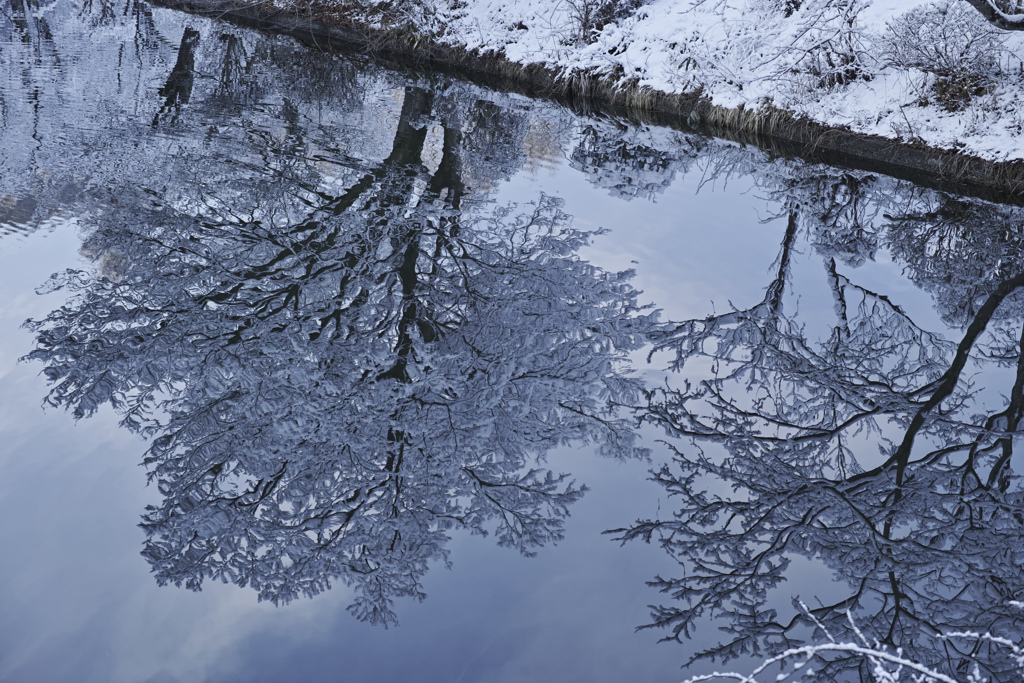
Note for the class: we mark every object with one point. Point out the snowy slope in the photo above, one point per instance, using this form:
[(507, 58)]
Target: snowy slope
[(823, 59)]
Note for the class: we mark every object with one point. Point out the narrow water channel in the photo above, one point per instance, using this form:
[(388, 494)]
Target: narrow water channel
[(407, 379)]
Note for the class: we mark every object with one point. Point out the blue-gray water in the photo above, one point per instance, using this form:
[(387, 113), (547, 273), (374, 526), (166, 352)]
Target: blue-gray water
[(334, 335)]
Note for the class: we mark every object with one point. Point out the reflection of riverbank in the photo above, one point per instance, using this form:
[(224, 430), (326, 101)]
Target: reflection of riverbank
[(849, 122)]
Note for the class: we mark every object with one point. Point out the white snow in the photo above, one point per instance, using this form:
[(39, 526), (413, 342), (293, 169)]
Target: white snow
[(745, 52)]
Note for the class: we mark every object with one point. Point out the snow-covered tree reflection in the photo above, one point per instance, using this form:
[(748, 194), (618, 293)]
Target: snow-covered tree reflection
[(877, 450), (957, 249), (330, 394), (612, 158)]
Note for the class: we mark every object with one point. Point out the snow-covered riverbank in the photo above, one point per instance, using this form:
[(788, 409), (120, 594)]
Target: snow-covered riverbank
[(921, 72)]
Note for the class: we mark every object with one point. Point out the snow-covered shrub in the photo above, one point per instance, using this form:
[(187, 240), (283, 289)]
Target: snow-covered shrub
[(1009, 6), (809, 45), (828, 45), (590, 16), (951, 41), (413, 22)]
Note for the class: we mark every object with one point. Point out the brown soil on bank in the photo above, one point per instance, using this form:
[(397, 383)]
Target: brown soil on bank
[(776, 131)]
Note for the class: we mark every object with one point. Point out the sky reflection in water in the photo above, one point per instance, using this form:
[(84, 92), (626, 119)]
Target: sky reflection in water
[(359, 319)]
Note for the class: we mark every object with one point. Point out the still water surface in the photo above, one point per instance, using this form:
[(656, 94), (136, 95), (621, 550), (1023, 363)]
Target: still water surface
[(395, 351)]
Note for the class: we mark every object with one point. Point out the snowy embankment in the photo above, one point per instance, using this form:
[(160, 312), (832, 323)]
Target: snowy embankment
[(932, 72)]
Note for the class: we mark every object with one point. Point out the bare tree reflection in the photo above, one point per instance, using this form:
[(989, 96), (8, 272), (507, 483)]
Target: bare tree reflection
[(329, 395), (873, 451), (177, 90)]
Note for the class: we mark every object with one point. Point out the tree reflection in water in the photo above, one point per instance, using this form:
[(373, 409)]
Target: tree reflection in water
[(339, 363), (875, 450), (329, 395)]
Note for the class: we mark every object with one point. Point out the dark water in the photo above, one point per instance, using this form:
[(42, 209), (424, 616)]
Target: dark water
[(413, 368)]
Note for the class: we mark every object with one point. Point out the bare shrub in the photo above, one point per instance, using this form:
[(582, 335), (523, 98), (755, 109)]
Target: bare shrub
[(950, 40)]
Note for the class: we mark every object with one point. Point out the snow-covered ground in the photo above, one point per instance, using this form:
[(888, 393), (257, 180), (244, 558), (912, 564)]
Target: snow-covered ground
[(957, 84)]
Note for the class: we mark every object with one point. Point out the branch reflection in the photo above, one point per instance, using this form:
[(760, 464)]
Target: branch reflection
[(333, 382), (876, 451)]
